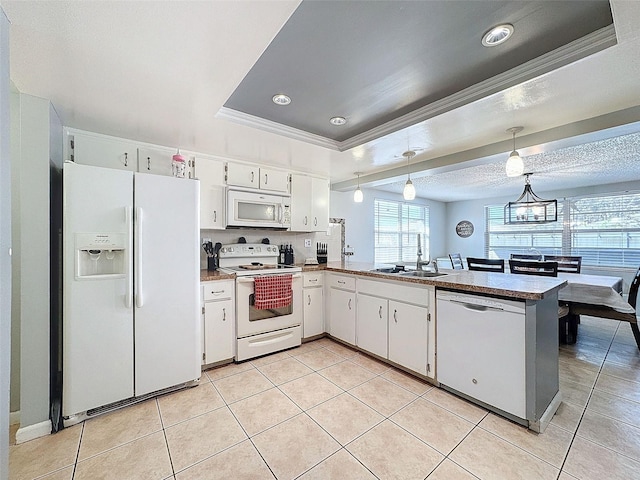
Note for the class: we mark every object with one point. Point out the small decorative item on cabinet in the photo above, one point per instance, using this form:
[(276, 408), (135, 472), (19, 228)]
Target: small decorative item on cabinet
[(178, 165)]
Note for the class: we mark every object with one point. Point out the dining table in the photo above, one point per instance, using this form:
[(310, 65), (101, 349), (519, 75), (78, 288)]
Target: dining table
[(597, 296)]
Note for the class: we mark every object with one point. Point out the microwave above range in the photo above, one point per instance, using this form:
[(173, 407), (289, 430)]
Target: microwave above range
[(254, 209)]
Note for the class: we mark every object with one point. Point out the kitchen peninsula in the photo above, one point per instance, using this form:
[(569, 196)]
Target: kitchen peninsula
[(489, 337)]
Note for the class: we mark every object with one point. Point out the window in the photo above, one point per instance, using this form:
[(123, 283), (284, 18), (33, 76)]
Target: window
[(396, 229), (604, 230)]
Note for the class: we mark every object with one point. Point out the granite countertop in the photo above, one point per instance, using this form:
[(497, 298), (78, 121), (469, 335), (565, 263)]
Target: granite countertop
[(525, 287), (207, 276)]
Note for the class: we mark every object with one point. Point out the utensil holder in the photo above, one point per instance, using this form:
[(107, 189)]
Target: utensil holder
[(212, 264)]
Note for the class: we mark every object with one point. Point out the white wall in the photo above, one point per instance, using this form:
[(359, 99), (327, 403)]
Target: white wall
[(359, 221), (5, 245)]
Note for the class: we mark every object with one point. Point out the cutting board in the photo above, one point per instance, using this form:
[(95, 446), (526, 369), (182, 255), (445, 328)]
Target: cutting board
[(255, 267)]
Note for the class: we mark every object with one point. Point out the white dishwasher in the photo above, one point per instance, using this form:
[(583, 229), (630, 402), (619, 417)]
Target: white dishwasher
[(481, 349)]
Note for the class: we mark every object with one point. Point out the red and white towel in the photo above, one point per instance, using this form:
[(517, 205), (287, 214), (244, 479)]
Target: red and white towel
[(272, 291)]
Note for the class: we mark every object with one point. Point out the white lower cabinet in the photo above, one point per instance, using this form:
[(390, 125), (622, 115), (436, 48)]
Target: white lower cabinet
[(313, 297), (408, 336), (342, 307), (371, 324), (390, 319), (219, 321)]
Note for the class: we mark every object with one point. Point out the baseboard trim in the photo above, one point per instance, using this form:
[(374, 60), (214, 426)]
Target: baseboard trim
[(31, 432), (14, 417)]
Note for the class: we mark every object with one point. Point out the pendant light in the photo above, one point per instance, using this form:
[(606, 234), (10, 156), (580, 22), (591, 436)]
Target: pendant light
[(358, 196), (409, 192), (530, 208), (515, 165)]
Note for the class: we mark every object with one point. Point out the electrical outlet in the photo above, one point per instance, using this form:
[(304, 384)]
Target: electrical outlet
[(205, 240), (307, 243)]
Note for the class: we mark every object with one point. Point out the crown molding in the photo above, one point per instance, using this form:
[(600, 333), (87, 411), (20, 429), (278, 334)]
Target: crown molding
[(277, 128)]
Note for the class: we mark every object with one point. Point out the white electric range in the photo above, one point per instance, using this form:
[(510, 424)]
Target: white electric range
[(262, 331)]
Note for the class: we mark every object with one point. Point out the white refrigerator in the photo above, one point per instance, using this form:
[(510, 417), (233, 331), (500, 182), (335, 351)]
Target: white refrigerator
[(131, 322)]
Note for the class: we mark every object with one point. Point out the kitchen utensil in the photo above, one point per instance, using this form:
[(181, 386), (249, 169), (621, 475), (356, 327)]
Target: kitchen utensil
[(242, 240), (265, 241)]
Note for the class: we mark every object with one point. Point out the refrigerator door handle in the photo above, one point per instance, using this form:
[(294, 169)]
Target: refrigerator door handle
[(138, 256), (128, 218)]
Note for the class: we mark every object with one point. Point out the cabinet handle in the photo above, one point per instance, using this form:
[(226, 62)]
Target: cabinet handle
[(224, 314), (349, 304), (215, 216), (305, 219), (395, 316), (216, 292), (313, 280), (265, 178), (125, 159), (148, 163), (252, 176), (380, 312), (341, 282), (475, 382), (315, 221), (308, 299)]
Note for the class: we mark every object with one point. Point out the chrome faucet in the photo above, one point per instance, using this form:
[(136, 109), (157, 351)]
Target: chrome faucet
[(419, 261)]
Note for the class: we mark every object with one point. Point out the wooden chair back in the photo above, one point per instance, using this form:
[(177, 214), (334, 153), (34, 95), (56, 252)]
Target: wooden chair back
[(529, 267), (518, 256), (565, 264), (485, 264), (456, 261), (633, 291)]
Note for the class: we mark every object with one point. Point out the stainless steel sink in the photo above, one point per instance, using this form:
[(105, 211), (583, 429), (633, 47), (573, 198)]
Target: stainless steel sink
[(387, 270), (422, 274)]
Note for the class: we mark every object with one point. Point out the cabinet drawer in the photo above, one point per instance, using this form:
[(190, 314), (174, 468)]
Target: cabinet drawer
[(221, 290), (312, 279), (343, 282)]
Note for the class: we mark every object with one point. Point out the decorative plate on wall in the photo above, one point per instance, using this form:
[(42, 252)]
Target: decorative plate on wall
[(464, 229)]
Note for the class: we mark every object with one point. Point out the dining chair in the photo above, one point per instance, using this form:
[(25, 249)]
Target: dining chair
[(566, 264), (632, 299), (567, 322), (532, 267), (518, 256), (485, 264), (456, 261)]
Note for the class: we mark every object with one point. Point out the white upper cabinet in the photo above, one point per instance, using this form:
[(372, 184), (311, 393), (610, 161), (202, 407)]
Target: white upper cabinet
[(250, 176), (156, 161), (309, 204), (102, 151), (274, 180), (212, 193)]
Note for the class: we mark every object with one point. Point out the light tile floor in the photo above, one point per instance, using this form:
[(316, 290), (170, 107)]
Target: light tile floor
[(324, 411)]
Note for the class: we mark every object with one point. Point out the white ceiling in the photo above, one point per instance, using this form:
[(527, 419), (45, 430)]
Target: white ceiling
[(159, 72)]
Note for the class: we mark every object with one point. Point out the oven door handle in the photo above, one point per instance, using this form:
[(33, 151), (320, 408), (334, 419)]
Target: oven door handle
[(251, 279)]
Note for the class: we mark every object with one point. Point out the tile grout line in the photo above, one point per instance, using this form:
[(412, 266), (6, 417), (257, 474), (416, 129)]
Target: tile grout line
[(75, 463), (164, 434), (586, 405)]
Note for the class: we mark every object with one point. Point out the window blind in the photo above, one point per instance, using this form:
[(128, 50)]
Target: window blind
[(604, 230), (396, 225)]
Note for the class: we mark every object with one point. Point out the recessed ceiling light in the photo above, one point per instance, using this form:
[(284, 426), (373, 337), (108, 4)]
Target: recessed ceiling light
[(338, 121), (281, 99), (497, 35)]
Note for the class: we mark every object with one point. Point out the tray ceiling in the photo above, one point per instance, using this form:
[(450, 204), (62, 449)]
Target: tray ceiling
[(373, 62)]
